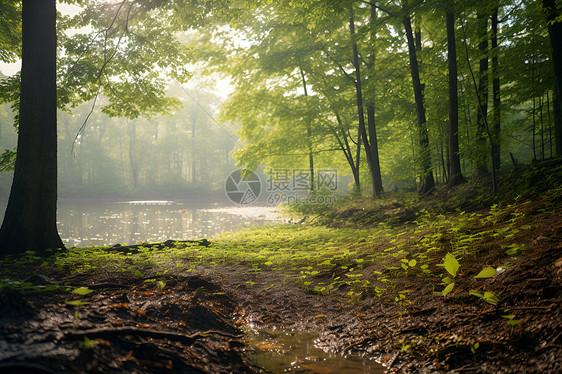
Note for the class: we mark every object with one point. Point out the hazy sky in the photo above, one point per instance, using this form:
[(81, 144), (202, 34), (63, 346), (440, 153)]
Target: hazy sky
[(10, 69)]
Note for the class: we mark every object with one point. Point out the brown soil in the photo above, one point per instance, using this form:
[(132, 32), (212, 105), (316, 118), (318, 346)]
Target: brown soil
[(192, 324)]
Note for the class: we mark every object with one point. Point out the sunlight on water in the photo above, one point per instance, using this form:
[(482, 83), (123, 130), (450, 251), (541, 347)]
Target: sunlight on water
[(295, 352), (130, 222)]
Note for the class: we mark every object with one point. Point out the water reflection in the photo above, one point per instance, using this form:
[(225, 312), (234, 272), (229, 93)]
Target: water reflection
[(295, 352), (129, 222)]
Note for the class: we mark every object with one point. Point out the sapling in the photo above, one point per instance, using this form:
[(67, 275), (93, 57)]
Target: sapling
[(82, 291)]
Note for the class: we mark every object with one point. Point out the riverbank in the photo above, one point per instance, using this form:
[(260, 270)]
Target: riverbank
[(435, 289)]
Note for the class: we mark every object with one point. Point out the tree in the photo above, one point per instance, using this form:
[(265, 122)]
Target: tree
[(427, 183), (455, 175), (554, 24), (371, 148), (30, 219)]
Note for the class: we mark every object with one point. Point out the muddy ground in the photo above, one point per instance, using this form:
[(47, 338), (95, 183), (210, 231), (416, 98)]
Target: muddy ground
[(192, 324), (177, 323)]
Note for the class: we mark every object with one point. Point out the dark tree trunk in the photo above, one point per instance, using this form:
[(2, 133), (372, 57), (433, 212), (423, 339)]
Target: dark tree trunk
[(361, 112), (482, 97), (309, 138), (373, 142), (496, 101), (358, 163), (557, 112), (455, 174), (427, 183), (555, 34), (371, 122), (30, 221)]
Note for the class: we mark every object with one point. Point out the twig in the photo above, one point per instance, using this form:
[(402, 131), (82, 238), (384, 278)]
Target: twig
[(392, 360), (105, 332)]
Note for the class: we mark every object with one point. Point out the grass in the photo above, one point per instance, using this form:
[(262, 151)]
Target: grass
[(360, 262)]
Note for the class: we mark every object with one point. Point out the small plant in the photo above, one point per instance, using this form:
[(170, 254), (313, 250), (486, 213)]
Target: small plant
[(474, 347), (82, 291), (511, 321), (88, 343), (452, 266), (486, 296)]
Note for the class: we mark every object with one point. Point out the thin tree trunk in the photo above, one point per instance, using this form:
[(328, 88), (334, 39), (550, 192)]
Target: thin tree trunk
[(358, 162), (482, 97), (360, 111), (542, 126), (30, 220), (427, 183), (496, 101), (371, 124), (549, 123), (557, 112), (132, 156), (555, 34), (193, 150), (309, 137), (455, 174)]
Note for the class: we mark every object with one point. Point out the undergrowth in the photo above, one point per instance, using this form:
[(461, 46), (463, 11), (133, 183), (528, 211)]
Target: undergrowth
[(357, 263)]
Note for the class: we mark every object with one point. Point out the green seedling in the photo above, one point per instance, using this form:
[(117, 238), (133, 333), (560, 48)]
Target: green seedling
[(452, 266), (82, 291), (88, 343), (486, 296)]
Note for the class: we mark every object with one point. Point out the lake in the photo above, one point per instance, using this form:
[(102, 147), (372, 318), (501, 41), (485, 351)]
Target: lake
[(90, 222)]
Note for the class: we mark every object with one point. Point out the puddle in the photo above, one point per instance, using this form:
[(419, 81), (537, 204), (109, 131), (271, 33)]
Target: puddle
[(295, 352)]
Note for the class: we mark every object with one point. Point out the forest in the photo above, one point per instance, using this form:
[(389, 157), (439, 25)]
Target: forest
[(397, 165)]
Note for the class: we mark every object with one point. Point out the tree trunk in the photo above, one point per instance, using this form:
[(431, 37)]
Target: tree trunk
[(482, 97), (309, 137), (427, 183), (373, 142), (557, 112), (496, 101), (360, 111), (555, 34), (132, 155), (455, 174), (193, 153), (371, 122), (30, 221)]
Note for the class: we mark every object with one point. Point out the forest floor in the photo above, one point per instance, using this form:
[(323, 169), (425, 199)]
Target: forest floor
[(449, 283)]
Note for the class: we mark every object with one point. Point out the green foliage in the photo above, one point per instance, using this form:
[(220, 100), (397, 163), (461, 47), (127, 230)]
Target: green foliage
[(487, 272), (8, 160), (451, 264)]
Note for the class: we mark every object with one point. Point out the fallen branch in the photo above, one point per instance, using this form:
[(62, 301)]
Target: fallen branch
[(109, 332)]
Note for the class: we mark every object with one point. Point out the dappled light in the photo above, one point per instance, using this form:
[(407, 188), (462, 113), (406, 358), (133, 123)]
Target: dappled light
[(311, 187)]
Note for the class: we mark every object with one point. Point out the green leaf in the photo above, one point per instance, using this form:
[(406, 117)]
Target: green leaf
[(82, 291), (490, 298), (76, 302), (476, 293), (487, 272), (138, 273), (412, 263), (448, 289), (451, 264)]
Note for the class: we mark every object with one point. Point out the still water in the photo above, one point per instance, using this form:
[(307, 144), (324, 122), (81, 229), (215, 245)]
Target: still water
[(279, 351), (83, 224)]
